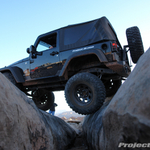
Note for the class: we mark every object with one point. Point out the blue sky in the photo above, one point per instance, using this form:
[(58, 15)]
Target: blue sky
[(21, 21)]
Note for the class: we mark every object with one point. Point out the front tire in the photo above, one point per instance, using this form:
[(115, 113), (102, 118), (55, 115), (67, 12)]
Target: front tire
[(9, 76), (85, 93)]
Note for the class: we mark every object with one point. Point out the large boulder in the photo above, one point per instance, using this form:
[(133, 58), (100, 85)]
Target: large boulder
[(24, 127), (124, 122)]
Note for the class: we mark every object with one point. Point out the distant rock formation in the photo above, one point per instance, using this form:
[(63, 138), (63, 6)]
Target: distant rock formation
[(70, 114), (24, 127), (126, 118)]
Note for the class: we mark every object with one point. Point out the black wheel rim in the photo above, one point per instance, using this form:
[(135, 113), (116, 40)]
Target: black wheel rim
[(40, 97), (83, 94)]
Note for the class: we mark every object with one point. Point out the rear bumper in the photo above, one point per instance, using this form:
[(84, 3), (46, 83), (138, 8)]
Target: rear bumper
[(120, 68)]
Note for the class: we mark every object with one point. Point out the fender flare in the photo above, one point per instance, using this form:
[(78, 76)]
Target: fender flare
[(16, 72), (99, 53)]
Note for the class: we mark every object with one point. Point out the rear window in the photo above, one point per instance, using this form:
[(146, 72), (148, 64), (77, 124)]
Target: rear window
[(74, 34)]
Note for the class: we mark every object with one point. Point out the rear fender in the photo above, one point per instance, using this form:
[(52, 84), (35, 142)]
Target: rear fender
[(100, 55)]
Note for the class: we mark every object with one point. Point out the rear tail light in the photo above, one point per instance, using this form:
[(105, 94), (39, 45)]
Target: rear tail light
[(114, 47)]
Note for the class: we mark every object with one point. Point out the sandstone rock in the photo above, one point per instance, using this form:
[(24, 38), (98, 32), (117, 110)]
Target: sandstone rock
[(80, 142), (127, 117), (93, 128), (24, 127)]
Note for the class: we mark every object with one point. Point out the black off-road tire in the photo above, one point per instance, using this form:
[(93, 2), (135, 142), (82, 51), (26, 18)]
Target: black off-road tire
[(10, 77), (135, 43), (85, 93), (43, 99), (111, 86)]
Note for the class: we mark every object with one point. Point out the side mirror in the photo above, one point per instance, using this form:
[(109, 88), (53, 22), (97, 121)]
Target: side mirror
[(28, 50), (31, 49), (33, 52)]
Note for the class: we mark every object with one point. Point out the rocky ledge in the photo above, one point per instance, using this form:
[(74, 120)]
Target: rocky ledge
[(121, 123)]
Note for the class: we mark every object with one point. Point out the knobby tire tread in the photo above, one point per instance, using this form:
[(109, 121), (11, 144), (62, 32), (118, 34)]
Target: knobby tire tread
[(99, 89)]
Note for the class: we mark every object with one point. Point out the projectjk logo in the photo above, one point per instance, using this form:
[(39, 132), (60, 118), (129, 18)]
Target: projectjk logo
[(133, 145)]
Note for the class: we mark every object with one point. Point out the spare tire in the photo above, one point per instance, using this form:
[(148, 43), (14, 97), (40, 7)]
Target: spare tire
[(85, 93), (135, 43)]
